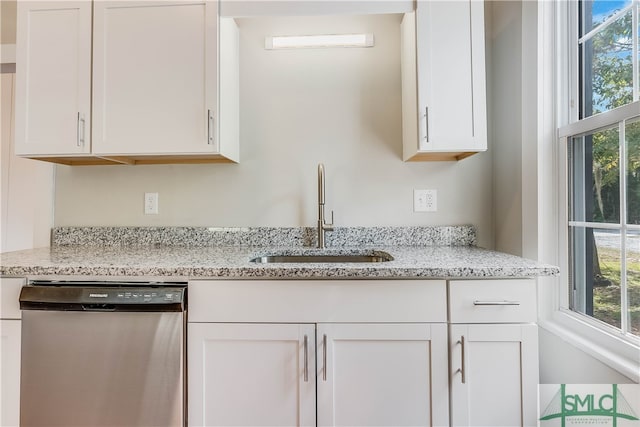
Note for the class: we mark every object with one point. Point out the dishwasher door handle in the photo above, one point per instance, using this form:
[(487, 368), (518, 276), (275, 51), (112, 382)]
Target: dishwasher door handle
[(98, 307)]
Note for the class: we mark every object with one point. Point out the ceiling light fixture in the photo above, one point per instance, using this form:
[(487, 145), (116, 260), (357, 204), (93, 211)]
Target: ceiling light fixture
[(318, 41)]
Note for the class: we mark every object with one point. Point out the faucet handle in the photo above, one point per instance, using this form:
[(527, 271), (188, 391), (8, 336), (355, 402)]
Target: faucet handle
[(329, 227)]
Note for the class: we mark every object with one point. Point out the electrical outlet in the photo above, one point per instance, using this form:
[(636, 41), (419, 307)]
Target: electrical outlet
[(150, 203), (425, 200)]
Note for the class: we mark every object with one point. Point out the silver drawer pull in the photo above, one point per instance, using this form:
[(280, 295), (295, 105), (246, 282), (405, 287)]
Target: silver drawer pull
[(462, 360), (306, 359), (496, 302), (324, 357)]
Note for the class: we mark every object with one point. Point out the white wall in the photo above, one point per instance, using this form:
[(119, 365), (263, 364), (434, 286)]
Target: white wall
[(505, 112), (26, 186), (562, 363), (8, 21), (298, 108)]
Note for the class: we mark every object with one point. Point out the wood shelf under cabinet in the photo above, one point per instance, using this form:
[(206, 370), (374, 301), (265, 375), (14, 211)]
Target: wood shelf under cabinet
[(135, 160)]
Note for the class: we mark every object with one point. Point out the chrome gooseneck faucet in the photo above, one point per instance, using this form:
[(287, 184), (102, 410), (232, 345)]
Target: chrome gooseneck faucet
[(322, 225)]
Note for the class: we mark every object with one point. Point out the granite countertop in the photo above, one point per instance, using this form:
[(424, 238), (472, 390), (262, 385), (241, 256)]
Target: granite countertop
[(171, 253)]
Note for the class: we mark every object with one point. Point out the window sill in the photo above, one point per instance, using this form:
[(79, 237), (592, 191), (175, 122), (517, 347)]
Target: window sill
[(616, 351)]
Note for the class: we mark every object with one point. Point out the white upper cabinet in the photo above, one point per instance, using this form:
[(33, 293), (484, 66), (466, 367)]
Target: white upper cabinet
[(443, 80), (53, 78), (153, 96), (155, 78)]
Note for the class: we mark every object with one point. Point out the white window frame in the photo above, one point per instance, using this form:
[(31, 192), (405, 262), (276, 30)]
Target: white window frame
[(603, 342)]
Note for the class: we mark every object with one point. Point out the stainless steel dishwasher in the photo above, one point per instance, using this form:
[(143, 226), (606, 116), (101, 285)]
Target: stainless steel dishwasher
[(103, 354)]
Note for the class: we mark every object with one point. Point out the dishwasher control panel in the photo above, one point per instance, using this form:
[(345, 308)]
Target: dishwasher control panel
[(124, 295), (108, 297)]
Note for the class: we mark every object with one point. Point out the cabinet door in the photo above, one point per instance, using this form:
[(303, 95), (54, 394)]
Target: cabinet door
[(155, 77), (382, 375), (10, 372), (251, 374), (53, 78), (451, 75), (448, 40), (494, 375)]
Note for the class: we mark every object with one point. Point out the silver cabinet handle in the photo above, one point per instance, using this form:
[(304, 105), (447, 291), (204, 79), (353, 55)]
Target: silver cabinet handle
[(426, 124), (324, 357), (210, 127), (462, 357), (306, 359), (80, 130), (496, 302)]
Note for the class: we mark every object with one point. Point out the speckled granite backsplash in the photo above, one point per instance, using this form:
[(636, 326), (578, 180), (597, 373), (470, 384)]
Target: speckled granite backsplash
[(188, 253), (463, 235)]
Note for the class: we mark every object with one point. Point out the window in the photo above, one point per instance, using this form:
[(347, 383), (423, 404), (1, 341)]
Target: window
[(607, 47), (603, 151)]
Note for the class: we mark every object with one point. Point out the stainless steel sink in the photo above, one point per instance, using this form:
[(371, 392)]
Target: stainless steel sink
[(323, 258)]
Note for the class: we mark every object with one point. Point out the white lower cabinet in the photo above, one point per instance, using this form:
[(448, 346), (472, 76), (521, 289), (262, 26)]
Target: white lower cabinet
[(10, 373), (382, 375), (10, 330), (493, 347), (325, 353), (365, 374), (362, 353), (251, 374), (494, 379)]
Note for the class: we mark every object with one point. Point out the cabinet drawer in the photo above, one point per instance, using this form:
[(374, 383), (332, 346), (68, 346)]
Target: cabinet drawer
[(311, 301), (492, 301)]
